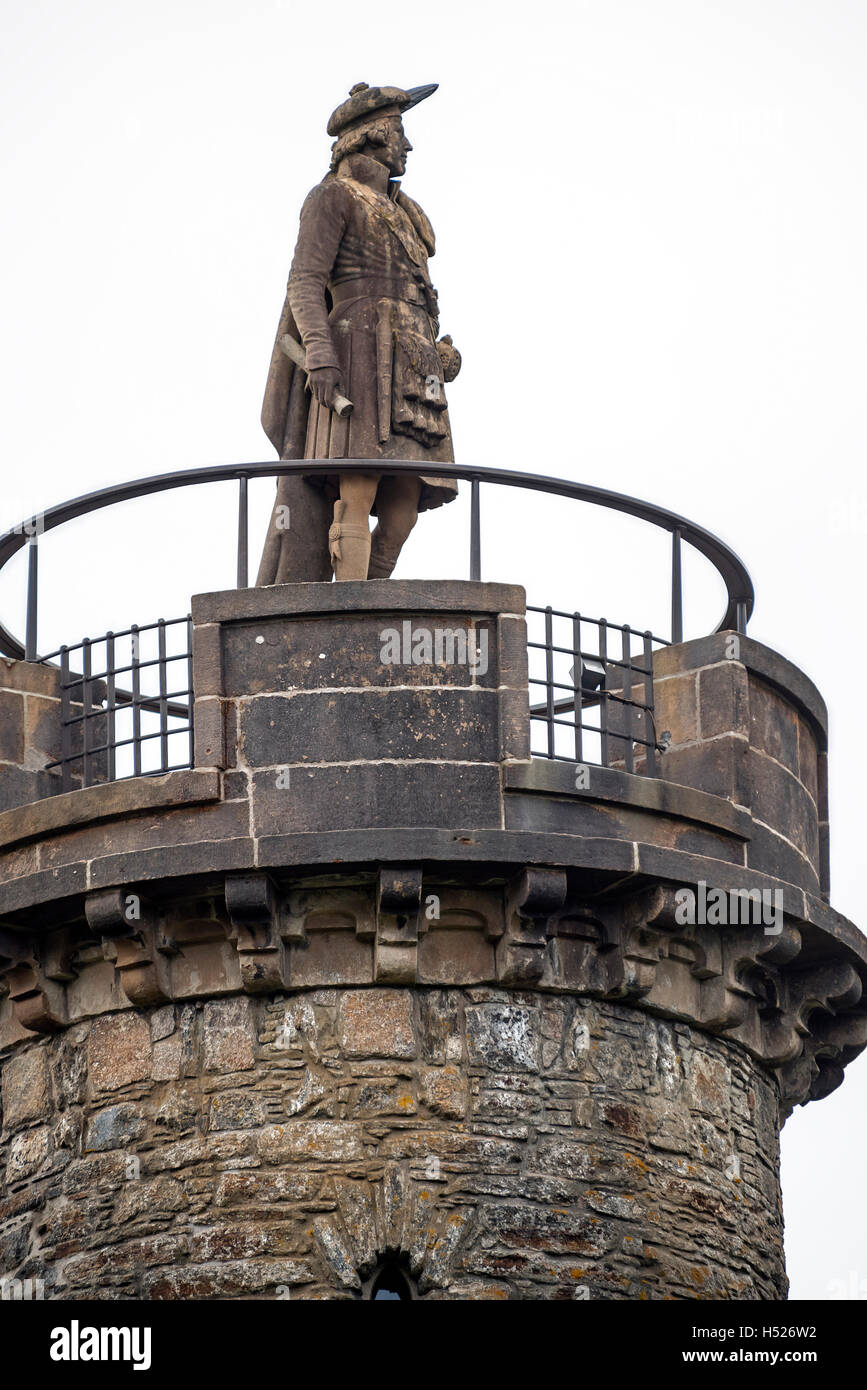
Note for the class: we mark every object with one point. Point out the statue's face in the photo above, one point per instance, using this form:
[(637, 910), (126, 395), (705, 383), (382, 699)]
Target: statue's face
[(393, 154)]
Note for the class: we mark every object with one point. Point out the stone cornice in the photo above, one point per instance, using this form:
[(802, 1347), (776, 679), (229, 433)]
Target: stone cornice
[(795, 1009)]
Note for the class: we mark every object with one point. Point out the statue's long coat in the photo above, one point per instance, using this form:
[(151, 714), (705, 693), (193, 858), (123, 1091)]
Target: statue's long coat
[(359, 276)]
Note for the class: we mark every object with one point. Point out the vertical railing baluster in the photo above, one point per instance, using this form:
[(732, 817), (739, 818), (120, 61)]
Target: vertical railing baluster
[(163, 688), (649, 725), (741, 616), (549, 680), (603, 692), (676, 587), (65, 726), (243, 532), (475, 532), (576, 681), (30, 637), (626, 653), (85, 710), (135, 658), (111, 733), (190, 699)]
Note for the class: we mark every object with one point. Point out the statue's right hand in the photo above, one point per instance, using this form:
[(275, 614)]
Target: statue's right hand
[(325, 383)]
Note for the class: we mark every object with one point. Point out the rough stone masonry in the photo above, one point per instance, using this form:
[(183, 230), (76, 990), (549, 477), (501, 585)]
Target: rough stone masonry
[(502, 1143)]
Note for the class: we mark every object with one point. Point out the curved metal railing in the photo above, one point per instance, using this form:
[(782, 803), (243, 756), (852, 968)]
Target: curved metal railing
[(731, 569)]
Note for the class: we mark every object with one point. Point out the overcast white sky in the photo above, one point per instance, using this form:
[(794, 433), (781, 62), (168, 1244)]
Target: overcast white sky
[(651, 221)]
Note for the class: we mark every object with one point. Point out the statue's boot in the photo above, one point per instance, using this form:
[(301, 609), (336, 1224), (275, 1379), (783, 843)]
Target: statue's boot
[(349, 545), (382, 561)]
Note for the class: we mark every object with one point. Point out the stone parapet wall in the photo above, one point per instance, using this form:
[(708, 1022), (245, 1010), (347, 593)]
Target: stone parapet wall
[(748, 726), (29, 731)]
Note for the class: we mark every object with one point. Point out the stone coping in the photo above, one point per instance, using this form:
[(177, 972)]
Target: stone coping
[(760, 660), (106, 801), (360, 596), (549, 778)]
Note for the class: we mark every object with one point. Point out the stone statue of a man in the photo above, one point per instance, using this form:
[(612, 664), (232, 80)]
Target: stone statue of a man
[(361, 303)]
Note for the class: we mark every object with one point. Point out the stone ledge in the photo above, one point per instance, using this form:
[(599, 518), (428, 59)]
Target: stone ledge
[(604, 863), (87, 805), (649, 793), (362, 596)]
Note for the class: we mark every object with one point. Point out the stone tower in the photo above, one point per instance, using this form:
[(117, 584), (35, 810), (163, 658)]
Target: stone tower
[(368, 998)]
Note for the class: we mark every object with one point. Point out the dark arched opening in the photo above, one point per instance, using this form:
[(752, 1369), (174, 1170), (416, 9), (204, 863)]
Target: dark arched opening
[(390, 1282)]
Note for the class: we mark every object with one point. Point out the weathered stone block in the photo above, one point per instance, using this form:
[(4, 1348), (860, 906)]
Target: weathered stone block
[(724, 700), (114, 1128), (781, 801), (211, 748), (503, 1036), (118, 1051), (42, 729), (443, 1090), (716, 767), (370, 725), (676, 701), (331, 1141), (30, 677), (237, 1110), (11, 727), (227, 1034), (376, 1023), (450, 795), (355, 650), (29, 1152), (773, 724), (26, 1094), (558, 1232), (207, 660), (774, 855), (381, 1097), (19, 786)]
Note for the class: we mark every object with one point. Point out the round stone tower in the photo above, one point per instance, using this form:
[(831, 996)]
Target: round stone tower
[(368, 1001)]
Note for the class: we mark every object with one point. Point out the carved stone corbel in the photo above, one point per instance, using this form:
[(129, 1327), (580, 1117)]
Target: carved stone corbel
[(635, 956), (824, 1009), (398, 912), (130, 932), (532, 899), (745, 999), (38, 1000), (251, 902)]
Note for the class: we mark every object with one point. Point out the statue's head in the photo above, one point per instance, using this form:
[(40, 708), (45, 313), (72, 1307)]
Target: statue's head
[(370, 123)]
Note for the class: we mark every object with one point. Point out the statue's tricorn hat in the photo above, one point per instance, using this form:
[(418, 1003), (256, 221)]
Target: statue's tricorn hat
[(371, 103)]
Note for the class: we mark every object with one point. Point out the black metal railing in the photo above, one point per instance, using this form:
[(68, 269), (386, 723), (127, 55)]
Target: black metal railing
[(109, 732), (730, 568), (595, 680)]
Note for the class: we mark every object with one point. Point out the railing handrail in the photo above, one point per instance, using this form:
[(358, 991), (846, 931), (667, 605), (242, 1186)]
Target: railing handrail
[(733, 572)]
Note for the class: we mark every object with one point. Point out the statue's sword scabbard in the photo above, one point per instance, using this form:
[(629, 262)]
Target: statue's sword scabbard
[(342, 406), (384, 367)]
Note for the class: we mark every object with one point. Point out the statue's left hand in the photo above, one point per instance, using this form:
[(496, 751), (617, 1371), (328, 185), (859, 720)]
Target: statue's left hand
[(449, 357), (325, 383)]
